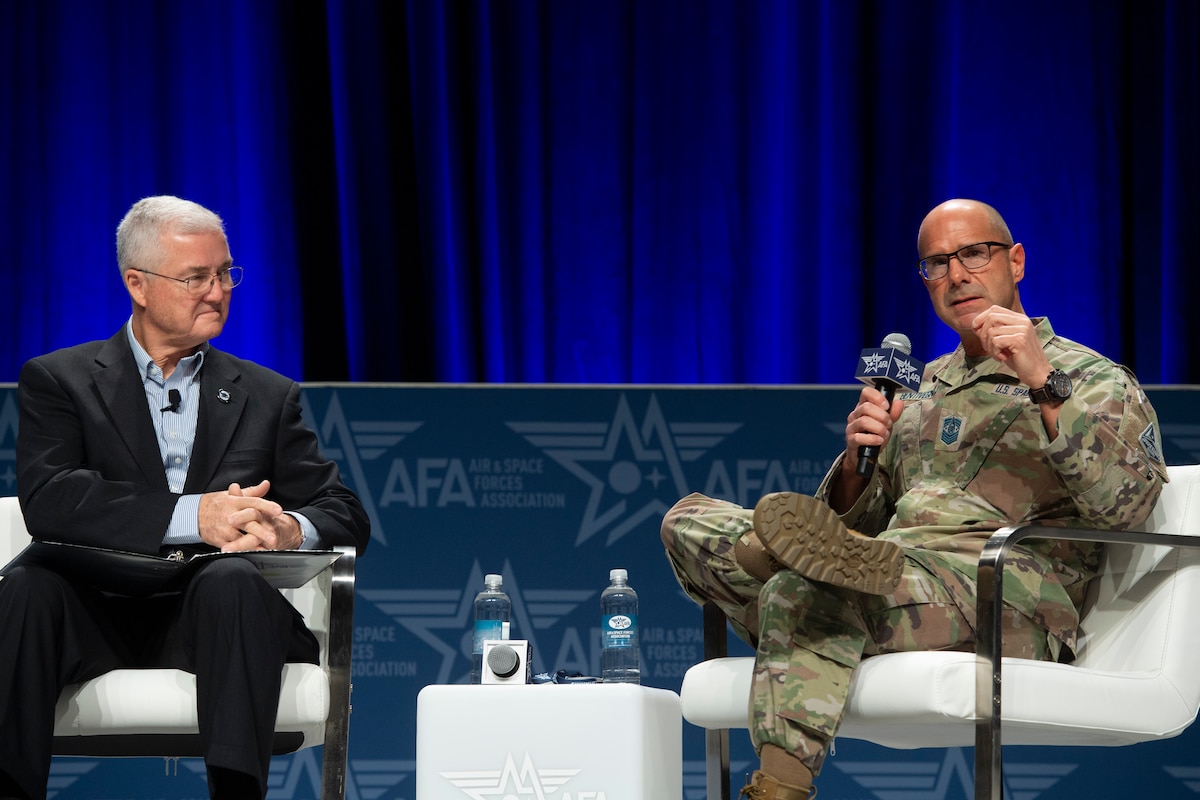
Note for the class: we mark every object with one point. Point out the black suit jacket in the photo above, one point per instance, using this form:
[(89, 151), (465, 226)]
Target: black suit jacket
[(89, 470)]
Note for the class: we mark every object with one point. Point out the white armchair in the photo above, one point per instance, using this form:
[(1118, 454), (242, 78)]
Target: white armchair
[(153, 712), (1134, 680)]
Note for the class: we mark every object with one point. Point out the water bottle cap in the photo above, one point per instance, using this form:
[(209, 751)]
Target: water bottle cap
[(493, 580), (618, 575)]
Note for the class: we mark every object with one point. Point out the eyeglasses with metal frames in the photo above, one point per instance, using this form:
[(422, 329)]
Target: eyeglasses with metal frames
[(199, 285), (972, 257)]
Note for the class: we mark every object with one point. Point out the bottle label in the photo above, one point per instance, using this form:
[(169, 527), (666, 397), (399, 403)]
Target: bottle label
[(620, 630), (488, 629)]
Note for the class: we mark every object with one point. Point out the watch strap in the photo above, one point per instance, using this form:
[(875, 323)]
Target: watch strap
[(1047, 393)]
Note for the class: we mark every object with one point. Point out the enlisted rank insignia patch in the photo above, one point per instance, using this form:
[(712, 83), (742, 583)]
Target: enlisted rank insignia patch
[(951, 428)]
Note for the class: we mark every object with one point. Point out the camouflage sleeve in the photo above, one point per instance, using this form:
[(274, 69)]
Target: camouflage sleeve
[(1108, 451), (873, 510)]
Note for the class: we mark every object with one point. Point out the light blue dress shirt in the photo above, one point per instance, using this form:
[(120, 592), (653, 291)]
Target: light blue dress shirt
[(176, 431)]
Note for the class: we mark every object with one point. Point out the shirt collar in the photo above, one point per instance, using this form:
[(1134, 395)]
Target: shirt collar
[(960, 370), (189, 367)]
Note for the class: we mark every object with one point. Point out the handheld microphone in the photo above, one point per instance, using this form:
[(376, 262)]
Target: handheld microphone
[(174, 399), (887, 368)]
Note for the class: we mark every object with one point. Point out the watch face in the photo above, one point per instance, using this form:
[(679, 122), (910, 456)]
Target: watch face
[(1059, 384)]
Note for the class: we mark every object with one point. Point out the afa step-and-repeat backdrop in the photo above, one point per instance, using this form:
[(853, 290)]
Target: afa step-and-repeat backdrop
[(552, 486)]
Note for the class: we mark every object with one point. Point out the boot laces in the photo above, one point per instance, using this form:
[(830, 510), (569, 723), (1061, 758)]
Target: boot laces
[(752, 791)]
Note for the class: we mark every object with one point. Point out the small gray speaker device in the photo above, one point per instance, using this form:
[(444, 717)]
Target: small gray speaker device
[(506, 661)]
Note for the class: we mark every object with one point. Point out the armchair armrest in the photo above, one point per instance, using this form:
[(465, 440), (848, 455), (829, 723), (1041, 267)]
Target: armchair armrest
[(341, 641), (988, 765)]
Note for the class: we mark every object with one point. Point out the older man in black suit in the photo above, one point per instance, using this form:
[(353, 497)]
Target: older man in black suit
[(150, 441)]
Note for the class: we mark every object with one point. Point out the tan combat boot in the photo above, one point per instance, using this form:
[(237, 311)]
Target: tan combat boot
[(763, 787), (807, 537)]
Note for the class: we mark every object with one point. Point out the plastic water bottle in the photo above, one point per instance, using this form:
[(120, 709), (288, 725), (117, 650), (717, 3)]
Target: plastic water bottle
[(492, 613), (619, 631)]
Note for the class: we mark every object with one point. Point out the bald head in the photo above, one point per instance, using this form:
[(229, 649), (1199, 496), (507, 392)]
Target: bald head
[(980, 216)]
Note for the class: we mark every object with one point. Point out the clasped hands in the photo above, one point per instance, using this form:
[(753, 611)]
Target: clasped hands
[(241, 518)]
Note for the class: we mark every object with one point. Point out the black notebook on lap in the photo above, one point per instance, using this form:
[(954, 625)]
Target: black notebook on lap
[(141, 575)]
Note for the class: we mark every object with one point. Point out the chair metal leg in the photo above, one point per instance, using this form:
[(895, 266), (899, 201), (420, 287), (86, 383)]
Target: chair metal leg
[(716, 742), (716, 764), (989, 780), (341, 640)]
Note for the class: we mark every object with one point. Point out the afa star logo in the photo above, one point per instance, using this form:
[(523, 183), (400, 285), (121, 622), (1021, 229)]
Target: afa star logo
[(512, 781), (64, 772), (1182, 436), (634, 469), (874, 362), (907, 372), (951, 779), (8, 443), (298, 776), (1188, 776), (442, 617), (292, 777), (351, 444), (695, 776)]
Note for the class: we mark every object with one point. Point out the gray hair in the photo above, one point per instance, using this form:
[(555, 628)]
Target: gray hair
[(139, 236)]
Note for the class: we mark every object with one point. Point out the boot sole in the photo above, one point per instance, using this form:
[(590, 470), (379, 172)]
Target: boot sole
[(806, 536)]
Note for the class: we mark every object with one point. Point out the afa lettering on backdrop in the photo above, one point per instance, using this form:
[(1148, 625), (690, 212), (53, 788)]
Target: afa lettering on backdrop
[(552, 487)]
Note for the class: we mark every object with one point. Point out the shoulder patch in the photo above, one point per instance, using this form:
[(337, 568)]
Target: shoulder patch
[(1149, 440)]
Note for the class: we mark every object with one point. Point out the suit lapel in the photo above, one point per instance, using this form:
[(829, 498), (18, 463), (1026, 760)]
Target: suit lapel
[(222, 403), (121, 391)]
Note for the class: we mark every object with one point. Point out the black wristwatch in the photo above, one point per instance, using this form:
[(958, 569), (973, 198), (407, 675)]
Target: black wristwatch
[(1056, 390)]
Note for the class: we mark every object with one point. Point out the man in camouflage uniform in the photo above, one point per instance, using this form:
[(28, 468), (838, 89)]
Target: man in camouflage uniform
[(887, 563)]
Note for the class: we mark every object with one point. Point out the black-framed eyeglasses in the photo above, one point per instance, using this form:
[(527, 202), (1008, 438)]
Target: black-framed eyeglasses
[(199, 285), (972, 257)]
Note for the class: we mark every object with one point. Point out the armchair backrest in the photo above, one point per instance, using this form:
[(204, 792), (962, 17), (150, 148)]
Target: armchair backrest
[(312, 601), (13, 536), (1144, 594)]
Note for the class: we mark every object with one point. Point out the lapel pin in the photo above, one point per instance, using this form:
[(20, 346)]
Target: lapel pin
[(223, 395)]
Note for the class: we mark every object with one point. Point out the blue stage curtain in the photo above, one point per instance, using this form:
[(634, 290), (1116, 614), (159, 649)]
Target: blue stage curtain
[(671, 191)]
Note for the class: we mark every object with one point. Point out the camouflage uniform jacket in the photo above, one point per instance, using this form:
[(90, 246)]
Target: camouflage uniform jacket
[(970, 455)]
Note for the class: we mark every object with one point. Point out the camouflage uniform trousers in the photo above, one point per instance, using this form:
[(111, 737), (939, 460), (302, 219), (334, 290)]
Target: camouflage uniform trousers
[(810, 636)]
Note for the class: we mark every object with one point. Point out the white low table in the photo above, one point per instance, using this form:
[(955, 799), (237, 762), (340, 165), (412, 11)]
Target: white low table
[(570, 742)]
